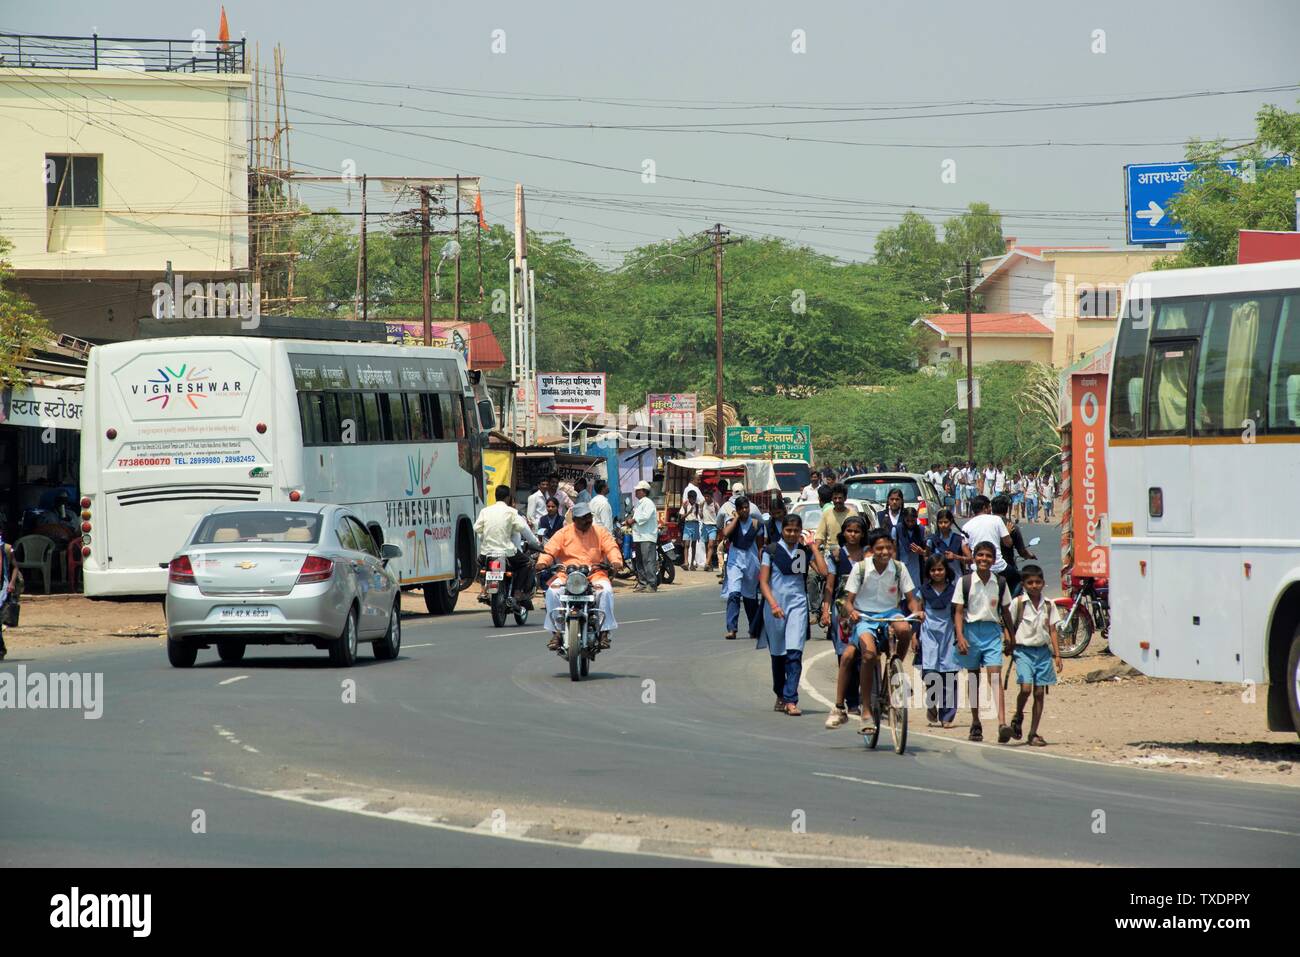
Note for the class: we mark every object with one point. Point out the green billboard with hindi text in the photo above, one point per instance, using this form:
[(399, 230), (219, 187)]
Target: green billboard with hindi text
[(770, 441)]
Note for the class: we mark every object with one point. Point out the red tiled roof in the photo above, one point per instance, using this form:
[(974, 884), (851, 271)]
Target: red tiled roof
[(987, 324)]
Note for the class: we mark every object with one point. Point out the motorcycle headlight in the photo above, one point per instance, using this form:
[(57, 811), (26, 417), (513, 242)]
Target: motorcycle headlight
[(576, 584)]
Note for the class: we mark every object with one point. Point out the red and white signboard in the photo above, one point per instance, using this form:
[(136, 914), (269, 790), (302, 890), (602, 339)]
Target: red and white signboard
[(671, 403), (570, 393)]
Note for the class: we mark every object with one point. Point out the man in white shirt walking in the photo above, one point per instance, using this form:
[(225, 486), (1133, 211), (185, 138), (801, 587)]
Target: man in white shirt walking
[(601, 510), (644, 522), (499, 528), (987, 527)]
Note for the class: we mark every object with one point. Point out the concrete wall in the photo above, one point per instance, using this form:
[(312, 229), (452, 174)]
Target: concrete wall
[(1026, 287), (1083, 268), (173, 169), (987, 349)]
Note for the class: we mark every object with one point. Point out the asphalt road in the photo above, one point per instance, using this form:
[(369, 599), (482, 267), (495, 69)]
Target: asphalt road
[(285, 772)]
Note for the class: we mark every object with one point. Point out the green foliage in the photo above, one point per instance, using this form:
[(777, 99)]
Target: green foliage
[(22, 329), (1214, 204), (932, 269), (909, 417)]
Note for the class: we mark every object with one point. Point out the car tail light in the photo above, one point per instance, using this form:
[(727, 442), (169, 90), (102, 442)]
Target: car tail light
[(315, 569), (922, 514), (181, 571)]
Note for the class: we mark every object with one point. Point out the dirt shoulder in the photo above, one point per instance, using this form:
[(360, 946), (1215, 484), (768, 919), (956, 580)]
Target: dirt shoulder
[(1104, 710)]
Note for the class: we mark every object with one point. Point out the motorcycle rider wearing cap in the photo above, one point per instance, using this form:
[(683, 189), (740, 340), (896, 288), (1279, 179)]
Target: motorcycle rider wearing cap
[(581, 542)]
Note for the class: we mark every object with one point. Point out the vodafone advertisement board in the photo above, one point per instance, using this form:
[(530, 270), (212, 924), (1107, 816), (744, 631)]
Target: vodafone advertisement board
[(1088, 503)]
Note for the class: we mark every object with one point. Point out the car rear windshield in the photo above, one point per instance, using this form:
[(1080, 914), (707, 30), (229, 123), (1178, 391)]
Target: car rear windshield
[(877, 490), (791, 476), (290, 527)]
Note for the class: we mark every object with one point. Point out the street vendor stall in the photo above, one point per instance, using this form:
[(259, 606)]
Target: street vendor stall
[(758, 476)]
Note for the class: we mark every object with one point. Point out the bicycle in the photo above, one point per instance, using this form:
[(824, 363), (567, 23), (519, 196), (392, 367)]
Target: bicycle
[(891, 675)]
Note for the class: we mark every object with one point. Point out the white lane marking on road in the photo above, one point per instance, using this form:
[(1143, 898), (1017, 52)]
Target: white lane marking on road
[(503, 827), (723, 612), (806, 685), (729, 855), (429, 644), (344, 804), (424, 819), (251, 750), (638, 621), (622, 843), (1242, 827), (231, 681), (511, 633), (887, 784)]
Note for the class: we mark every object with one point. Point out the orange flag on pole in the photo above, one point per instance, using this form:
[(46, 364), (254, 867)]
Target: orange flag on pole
[(478, 208), (223, 32)]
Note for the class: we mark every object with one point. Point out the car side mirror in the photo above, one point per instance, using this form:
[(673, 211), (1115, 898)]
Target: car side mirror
[(390, 551)]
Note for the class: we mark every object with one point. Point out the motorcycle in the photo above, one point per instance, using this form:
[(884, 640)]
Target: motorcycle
[(1087, 612), (498, 591), (580, 617), (669, 555)]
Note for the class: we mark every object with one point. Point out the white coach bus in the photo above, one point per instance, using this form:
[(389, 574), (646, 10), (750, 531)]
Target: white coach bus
[(1203, 465), (177, 426)]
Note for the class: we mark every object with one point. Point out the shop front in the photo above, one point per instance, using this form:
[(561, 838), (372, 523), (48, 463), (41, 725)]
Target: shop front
[(40, 456)]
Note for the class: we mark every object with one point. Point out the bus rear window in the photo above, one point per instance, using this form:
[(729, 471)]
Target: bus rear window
[(791, 476)]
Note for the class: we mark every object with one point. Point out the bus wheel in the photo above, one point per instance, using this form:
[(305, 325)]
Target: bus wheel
[(440, 598), (1293, 680)]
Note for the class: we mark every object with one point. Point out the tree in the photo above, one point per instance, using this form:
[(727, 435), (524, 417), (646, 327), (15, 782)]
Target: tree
[(22, 330), (931, 269), (1214, 204)]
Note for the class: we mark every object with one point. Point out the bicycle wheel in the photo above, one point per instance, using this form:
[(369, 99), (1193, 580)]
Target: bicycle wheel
[(875, 704), (897, 686)]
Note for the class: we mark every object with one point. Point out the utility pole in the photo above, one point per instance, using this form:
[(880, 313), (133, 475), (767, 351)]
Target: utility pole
[(970, 378), (365, 278), (424, 263), (720, 446)]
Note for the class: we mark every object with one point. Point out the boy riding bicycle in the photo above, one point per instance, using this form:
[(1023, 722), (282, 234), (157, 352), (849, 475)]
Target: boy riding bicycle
[(872, 599)]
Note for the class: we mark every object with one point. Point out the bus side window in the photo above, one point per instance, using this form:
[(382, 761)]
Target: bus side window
[(1284, 372), (1171, 375), (1130, 363), (1232, 379), (448, 415), (432, 414), (385, 417), (415, 414), (309, 412), (397, 412), (330, 419), (351, 426), (370, 412)]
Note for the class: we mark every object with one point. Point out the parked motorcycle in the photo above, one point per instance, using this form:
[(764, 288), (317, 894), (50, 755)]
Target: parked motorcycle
[(581, 621), (1087, 612), (498, 591), (669, 556)]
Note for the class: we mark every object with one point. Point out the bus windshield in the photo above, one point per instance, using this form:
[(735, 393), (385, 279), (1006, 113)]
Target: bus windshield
[(791, 476)]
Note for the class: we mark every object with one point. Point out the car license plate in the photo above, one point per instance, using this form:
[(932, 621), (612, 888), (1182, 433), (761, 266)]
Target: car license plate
[(496, 576), (245, 613)]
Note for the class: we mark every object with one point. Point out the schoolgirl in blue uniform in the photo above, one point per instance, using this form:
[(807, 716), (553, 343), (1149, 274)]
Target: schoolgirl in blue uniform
[(909, 546), (744, 537), (852, 549), (783, 579)]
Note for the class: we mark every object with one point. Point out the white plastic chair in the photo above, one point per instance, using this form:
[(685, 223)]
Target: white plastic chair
[(36, 553)]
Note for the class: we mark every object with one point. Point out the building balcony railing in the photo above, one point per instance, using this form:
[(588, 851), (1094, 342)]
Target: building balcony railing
[(32, 51)]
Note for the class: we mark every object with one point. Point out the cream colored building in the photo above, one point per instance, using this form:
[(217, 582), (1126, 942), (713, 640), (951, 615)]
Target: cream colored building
[(1072, 290), (112, 171)]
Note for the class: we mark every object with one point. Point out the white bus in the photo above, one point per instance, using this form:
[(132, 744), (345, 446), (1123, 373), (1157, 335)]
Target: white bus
[(1203, 466), (176, 426)]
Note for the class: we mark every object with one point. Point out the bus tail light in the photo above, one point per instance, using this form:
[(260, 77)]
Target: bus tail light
[(85, 551), (1142, 566), (85, 502), (111, 434), (315, 569), (85, 526), (261, 428), (181, 571), (295, 495), (1144, 645)]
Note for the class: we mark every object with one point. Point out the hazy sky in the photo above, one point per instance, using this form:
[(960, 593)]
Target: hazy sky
[(868, 69)]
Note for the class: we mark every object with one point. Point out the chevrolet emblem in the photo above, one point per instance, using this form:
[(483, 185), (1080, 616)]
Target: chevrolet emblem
[(245, 565)]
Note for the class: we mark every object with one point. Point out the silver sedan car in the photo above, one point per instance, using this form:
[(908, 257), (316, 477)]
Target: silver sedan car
[(266, 574)]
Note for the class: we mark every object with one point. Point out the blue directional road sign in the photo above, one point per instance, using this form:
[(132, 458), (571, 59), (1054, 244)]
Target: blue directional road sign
[(1148, 188)]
